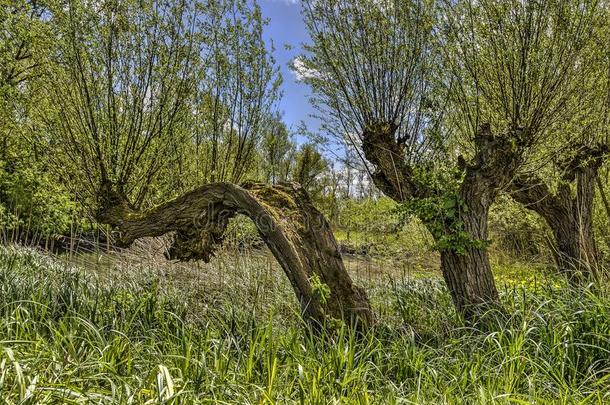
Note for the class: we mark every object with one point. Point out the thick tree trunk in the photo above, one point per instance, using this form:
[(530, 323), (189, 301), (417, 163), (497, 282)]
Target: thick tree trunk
[(576, 253), (464, 262), (466, 269), (570, 219), (568, 212), (297, 234), (470, 282)]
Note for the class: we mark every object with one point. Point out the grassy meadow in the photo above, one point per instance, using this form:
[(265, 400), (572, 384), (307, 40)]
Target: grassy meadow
[(113, 329)]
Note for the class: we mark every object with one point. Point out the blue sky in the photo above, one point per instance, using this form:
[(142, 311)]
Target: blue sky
[(286, 27)]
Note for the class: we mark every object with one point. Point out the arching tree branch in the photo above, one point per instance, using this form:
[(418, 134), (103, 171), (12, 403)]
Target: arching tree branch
[(297, 234)]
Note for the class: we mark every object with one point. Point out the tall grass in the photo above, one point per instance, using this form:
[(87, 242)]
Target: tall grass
[(146, 335)]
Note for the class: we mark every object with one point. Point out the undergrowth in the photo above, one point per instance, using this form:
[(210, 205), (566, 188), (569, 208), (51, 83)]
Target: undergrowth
[(69, 335)]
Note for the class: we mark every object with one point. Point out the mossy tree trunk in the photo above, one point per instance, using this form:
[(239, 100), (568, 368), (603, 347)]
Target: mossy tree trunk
[(297, 234)]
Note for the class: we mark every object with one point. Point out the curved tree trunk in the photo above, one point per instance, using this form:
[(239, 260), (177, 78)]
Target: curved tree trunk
[(297, 234), (568, 212)]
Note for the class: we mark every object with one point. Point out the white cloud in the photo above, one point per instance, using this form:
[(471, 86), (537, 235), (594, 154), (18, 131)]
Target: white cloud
[(301, 71)]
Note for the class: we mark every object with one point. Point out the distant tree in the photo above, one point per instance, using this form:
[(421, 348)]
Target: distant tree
[(562, 189), (308, 168), (278, 152), (332, 193), (23, 41), (33, 203)]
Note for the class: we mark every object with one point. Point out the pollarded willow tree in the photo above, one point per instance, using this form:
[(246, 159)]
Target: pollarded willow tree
[(119, 83), (277, 152), (564, 196), (127, 79), (157, 97), (565, 200), (445, 101)]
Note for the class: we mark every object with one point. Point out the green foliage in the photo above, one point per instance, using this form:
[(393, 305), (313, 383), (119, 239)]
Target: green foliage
[(521, 64), (237, 88), (157, 98), (24, 38), (517, 231), (369, 215), (122, 75), (308, 168), (441, 216), (373, 227), (31, 200), (320, 289), (277, 153), (242, 232), (441, 211), (362, 56)]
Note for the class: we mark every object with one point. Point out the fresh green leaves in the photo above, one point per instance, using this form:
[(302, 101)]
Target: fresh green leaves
[(441, 215), (158, 97)]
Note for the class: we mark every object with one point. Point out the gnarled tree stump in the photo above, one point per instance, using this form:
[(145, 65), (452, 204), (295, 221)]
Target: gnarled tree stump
[(297, 234)]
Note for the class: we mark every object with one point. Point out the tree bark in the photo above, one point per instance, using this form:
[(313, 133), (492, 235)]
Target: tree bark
[(568, 212), (391, 175), (466, 268), (606, 203), (297, 234)]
